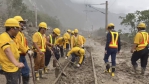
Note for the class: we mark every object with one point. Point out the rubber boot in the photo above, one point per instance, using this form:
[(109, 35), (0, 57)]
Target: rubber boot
[(46, 70), (37, 75), (25, 79), (135, 68), (142, 71), (41, 73), (113, 70), (108, 68)]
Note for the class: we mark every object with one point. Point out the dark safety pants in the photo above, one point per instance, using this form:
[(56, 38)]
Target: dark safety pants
[(112, 52), (25, 70), (62, 51), (142, 55), (47, 57), (74, 57), (12, 77)]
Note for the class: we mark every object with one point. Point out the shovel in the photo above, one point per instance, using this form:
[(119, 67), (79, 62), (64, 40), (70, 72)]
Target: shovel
[(57, 68), (30, 57)]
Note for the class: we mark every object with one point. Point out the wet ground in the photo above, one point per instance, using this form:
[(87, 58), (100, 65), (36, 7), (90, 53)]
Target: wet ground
[(84, 75)]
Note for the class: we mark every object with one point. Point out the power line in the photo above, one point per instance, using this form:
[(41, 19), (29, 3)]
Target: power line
[(112, 4)]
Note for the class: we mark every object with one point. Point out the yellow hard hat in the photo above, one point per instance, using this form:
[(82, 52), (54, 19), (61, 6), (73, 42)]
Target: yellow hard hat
[(76, 31), (72, 32), (110, 25), (43, 25), (57, 31), (11, 22), (18, 18), (69, 30), (65, 38), (82, 51), (142, 25)]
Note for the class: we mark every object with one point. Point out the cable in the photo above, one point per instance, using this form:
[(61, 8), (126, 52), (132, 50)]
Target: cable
[(111, 4)]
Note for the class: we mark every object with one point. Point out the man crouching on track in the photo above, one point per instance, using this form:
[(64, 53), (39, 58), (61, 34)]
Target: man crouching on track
[(76, 51)]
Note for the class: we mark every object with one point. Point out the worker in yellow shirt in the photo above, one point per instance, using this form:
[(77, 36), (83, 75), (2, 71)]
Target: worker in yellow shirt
[(140, 48), (76, 40), (67, 45), (9, 54), (75, 52), (39, 45), (23, 49), (72, 33), (51, 39), (60, 42)]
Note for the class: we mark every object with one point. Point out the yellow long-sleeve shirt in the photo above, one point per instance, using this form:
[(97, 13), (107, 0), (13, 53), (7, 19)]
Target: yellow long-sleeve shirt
[(76, 41), (23, 46), (75, 51), (61, 42)]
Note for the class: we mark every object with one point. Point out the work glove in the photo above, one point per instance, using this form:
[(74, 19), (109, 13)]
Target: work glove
[(30, 52), (78, 65), (66, 57), (82, 46)]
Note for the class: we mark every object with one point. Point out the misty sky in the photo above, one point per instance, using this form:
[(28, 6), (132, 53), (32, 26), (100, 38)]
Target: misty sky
[(120, 6)]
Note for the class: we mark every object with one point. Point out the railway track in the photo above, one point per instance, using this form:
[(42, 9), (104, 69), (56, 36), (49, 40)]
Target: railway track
[(86, 74)]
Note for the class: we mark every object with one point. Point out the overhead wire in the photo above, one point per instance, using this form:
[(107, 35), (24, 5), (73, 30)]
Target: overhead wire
[(111, 4)]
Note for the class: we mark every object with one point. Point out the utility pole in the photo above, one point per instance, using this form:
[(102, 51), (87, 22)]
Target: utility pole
[(35, 16), (106, 16), (92, 31)]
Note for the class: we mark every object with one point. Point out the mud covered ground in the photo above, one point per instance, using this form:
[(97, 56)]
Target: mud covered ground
[(82, 75), (124, 72)]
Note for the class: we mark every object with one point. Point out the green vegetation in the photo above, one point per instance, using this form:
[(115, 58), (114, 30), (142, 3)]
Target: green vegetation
[(17, 7), (132, 20)]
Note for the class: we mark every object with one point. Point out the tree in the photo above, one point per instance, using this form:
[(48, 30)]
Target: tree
[(133, 19), (17, 7)]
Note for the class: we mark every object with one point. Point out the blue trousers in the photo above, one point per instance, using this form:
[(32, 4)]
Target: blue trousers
[(74, 57), (112, 52), (25, 70)]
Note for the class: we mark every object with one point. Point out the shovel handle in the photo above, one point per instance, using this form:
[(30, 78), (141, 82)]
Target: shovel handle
[(30, 57)]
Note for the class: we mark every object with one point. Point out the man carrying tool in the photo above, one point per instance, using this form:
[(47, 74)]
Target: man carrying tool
[(60, 42), (140, 48), (67, 43), (75, 52), (112, 47), (76, 40), (50, 45), (9, 54), (23, 49), (39, 45)]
